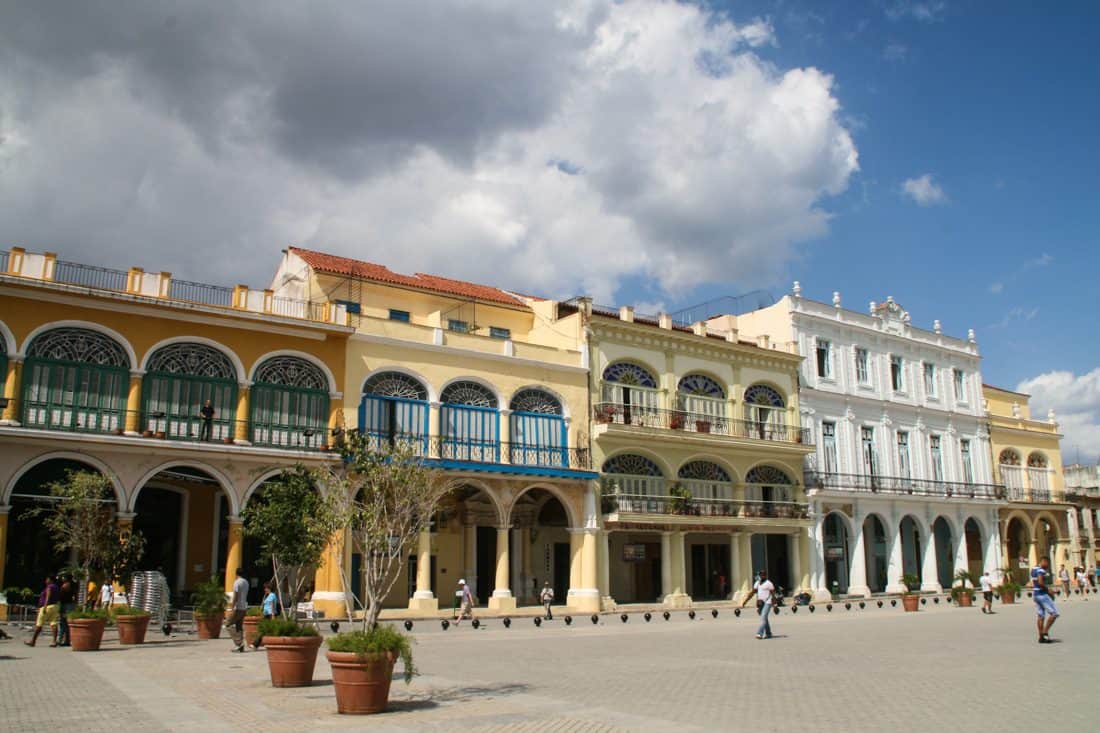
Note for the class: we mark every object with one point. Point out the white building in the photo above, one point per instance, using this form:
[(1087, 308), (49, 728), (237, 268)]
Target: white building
[(901, 481)]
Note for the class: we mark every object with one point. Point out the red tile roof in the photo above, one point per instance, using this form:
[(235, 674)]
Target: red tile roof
[(379, 273)]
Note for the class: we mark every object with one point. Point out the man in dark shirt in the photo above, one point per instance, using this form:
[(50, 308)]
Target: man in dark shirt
[(207, 414), (1042, 592), (48, 610), (67, 597)]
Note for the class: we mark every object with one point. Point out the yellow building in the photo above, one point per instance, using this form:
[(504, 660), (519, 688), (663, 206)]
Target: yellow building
[(492, 386), (109, 370), (1027, 460), (697, 437)]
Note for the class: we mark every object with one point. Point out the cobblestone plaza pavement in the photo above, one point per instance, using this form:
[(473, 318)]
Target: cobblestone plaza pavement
[(869, 670)]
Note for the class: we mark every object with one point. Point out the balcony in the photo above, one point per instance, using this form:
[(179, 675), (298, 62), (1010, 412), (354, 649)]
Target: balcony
[(695, 507), (1034, 496), (162, 286), (495, 456), (689, 423), (903, 486)]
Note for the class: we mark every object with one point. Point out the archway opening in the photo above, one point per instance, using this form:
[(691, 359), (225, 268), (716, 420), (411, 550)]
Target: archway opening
[(945, 552), (911, 548), (540, 547), (975, 555), (836, 541), (183, 512), (876, 551), (1018, 539), (31, 550)]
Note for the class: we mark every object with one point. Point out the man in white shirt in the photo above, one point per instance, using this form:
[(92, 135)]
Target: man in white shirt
[(106, 594), (764, 592), (987, 592), (238, 605)]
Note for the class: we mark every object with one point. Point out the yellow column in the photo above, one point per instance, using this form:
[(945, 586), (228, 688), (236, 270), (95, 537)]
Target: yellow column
[(434, 445), (502, 599), (423, 599), (240, 427), (576, 539), (744, 563), (586, 598), (328, 585), (133, 406), (233, 555), (11, 391), (804, 556), (335, 420)]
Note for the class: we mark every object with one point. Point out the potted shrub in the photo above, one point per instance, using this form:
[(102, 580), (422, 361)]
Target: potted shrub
[(604, 413), (961, 593), (388, 498), (702, 426), (132, 624), (676, 422), (291, 651), (910, 599), (252, 617), (609, 501), (1008, 590), (210, 602), (147, 433), (86, 629), (681, 499), (294, 523)]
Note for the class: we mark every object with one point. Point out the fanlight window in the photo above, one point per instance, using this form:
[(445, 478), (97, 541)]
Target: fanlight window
[(1037, 460), (289, 371), (197, 360), (770, 486), (535, 401), (1009, 457), (703, 471), (629, 374), (395, 384), (701, 385), (78, 345), (767, 475), (631, 465), (764, 396), (468, 393)]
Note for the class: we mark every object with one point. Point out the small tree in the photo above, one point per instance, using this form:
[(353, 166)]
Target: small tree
[(293, 522), (388, 496)]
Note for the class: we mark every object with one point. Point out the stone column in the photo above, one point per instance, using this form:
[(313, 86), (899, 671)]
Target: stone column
[(502, 599), (735, 566), (423, 599), (328, 582), (857, 563), (896, 566), (469, 547), (666, 565), (929, 581), (133, 405), (603, 562), (239, 429), (11, 391), (504, 432), (234, 549), (794, 562), (962, 557), (679, 597), (434, 434), (804, 558), (527, 571), (584, 596), (744, 570)]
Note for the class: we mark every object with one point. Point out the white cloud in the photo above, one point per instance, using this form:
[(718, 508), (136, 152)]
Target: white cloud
[(928, 11), (1017, 314), (997, 287), (1041, 261), (565, 150), (924, 191), (1076, 402), (895, 51)]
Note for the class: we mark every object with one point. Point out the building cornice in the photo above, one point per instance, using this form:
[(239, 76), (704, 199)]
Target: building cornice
[(468, 353)]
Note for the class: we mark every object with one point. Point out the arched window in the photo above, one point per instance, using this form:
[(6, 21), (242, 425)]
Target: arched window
[(634, 475), (629, 395), (537, 436), (1038, 476), (1012, 472), (765, 413), (75, 379), (179, 380), (703, 399), (290, 404), (470, 423), (771, 487), (395, 406), (706, 480)]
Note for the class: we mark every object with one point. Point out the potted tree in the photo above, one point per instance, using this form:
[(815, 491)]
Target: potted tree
[(1008, 589), (681, 499), (293, 523), (252, 617), (210, 602), (86, 629), (961, 593), (132, 624), (389, 496), (910, 599)]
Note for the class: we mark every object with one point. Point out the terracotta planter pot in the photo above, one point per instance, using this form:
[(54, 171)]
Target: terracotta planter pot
[(251, 629), (131, 629), (911, 602), (965, 600), (291, 659), (1008, 598), (209, 627), (362, 685), (86, 633)]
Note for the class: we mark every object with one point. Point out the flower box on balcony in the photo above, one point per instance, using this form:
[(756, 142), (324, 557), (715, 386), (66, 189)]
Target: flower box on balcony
[(604, 413), (702, 426), (676, 422)]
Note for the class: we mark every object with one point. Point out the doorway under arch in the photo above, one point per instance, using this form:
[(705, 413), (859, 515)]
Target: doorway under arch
[(945, 552), (877, 553), (837, 544), (912, 548), (975, 555)]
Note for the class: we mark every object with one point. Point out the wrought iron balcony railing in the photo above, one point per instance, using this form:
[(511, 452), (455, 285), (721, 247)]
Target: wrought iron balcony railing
[(903, 485), (689, 422), (1034, 496), (450, 448), (695, 507)]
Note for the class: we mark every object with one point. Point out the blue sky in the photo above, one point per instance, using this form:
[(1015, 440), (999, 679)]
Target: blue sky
[(939, 151)]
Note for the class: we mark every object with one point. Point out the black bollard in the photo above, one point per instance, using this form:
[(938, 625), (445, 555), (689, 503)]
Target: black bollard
[(714, 613), (507, 622), (691, 615), (568, 620), (538, 621), (475, 623), (666, 614), (408, 625), (737, 612), (335, 626), (595, 619), (847, 606), (167, 629), (623, 618), (794, 609), (893, 602), (647, 616), (880, 604), (862, 605), (445, 624), (829, 607)]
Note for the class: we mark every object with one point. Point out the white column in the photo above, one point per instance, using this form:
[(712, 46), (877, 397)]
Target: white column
[(857, 562), (962, 558), (502, 599), (817, 556), (794, 562), (929, 581), (666, 565), (896, 566)]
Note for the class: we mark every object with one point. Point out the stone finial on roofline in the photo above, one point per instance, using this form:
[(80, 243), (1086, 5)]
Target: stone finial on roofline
[(836, 298), (970, 336), (797, 289), (936, 326)]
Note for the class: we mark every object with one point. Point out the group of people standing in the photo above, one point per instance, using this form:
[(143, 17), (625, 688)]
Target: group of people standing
[(56, 601)]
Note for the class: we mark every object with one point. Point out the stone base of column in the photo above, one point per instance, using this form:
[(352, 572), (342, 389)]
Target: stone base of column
[(128, 433), (895, 588), (3, 612), (240, 441), (424, 605), (502, 602), (330, 602), (931, 588), (821, 595), (861, 591), (677, 600), (9, 423), (740, 595), (607, 603), (583, 600)]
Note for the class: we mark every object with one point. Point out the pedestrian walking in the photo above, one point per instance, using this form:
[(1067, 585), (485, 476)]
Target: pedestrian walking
[(1082, 580), (49, 607), (1092, 575), (1042, 592), (91, 594), (106, 594), (269, 601), (1063, 579), (546, 597), (238, 605), (466, 609), (67, 599), (207, 415), (764, 592), (986, 584)]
